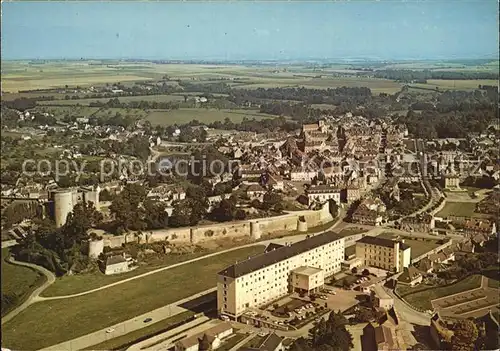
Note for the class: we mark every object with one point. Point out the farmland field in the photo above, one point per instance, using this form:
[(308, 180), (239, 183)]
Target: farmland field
[(18, 75), (85, 102), (169, 117), (456, 84), (73, 317)]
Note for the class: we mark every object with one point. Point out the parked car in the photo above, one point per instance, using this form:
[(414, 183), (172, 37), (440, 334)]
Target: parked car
[(147, 320), (110, 330)]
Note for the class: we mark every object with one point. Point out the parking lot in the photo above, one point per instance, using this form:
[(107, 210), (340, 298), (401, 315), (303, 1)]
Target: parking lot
[(293, 311)]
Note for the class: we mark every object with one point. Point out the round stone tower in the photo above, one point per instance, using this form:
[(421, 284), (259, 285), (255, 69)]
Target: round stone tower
[(255, 231), (63, 205)]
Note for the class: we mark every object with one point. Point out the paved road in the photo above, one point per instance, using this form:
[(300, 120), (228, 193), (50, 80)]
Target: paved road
[(127, 326), (407, 313), (49, 279), (165, 341)]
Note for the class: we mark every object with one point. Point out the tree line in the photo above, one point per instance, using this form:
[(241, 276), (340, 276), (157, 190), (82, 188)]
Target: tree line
[(407, 76)]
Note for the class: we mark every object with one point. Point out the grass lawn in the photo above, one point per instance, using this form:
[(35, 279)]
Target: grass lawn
[(492, 283), (123, 341), (184, 115), (461, 209), (70, 318), (73, 284), (422, 298), (18, 282)]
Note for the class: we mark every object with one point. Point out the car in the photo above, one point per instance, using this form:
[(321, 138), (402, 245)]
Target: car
[(147, 320), (110, 330)]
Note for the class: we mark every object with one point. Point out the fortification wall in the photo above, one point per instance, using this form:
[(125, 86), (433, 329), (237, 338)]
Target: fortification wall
[(254, 228), (219, 230)]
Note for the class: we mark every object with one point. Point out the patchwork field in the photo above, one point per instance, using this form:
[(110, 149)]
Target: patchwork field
[(69, 318), (19, 75)]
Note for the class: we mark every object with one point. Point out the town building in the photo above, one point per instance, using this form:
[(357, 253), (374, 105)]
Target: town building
[(116, 263), (322, 193), (255, 191), (272, 342), (474, 226), (371, 211), (214, 336), (391, 255), (307, 280), (410, 276), (263, 278)]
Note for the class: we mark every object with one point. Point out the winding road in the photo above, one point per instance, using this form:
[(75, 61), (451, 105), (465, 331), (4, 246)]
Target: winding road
[(34, 297)]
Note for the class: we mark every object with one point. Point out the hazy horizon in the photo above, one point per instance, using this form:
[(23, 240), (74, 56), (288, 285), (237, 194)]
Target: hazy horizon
[(233, 31)]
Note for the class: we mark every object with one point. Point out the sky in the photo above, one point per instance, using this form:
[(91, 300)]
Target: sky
[(434, 29)]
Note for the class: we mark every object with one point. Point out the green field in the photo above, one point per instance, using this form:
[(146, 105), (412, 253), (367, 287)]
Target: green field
[(420, 298), (184, 115), (70, 318), (19, 75), (73, 284), (461, 209), (86, 102), (17, 282), (456, 84)]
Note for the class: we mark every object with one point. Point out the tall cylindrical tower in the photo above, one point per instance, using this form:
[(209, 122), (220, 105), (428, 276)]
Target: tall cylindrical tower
[(63, 205)]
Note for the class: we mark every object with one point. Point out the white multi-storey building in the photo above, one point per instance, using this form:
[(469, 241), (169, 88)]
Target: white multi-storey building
[(264, 278)]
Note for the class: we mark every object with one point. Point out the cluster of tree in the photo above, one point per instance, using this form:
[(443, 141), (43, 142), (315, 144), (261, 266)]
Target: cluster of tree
[(210, 88), (192, 209), (133, 211), (20, 104), (143, 104), (335, 96), (19, 211), (407, 76), (469, 264), (227, 211), (137, 146), (329, 335), (271, 201), (457, 124), (60, 249), (207, 162), (257, 126)]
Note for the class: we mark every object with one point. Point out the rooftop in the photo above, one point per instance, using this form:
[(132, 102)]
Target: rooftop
[(304, 270), (374, 240), (280, 254)]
